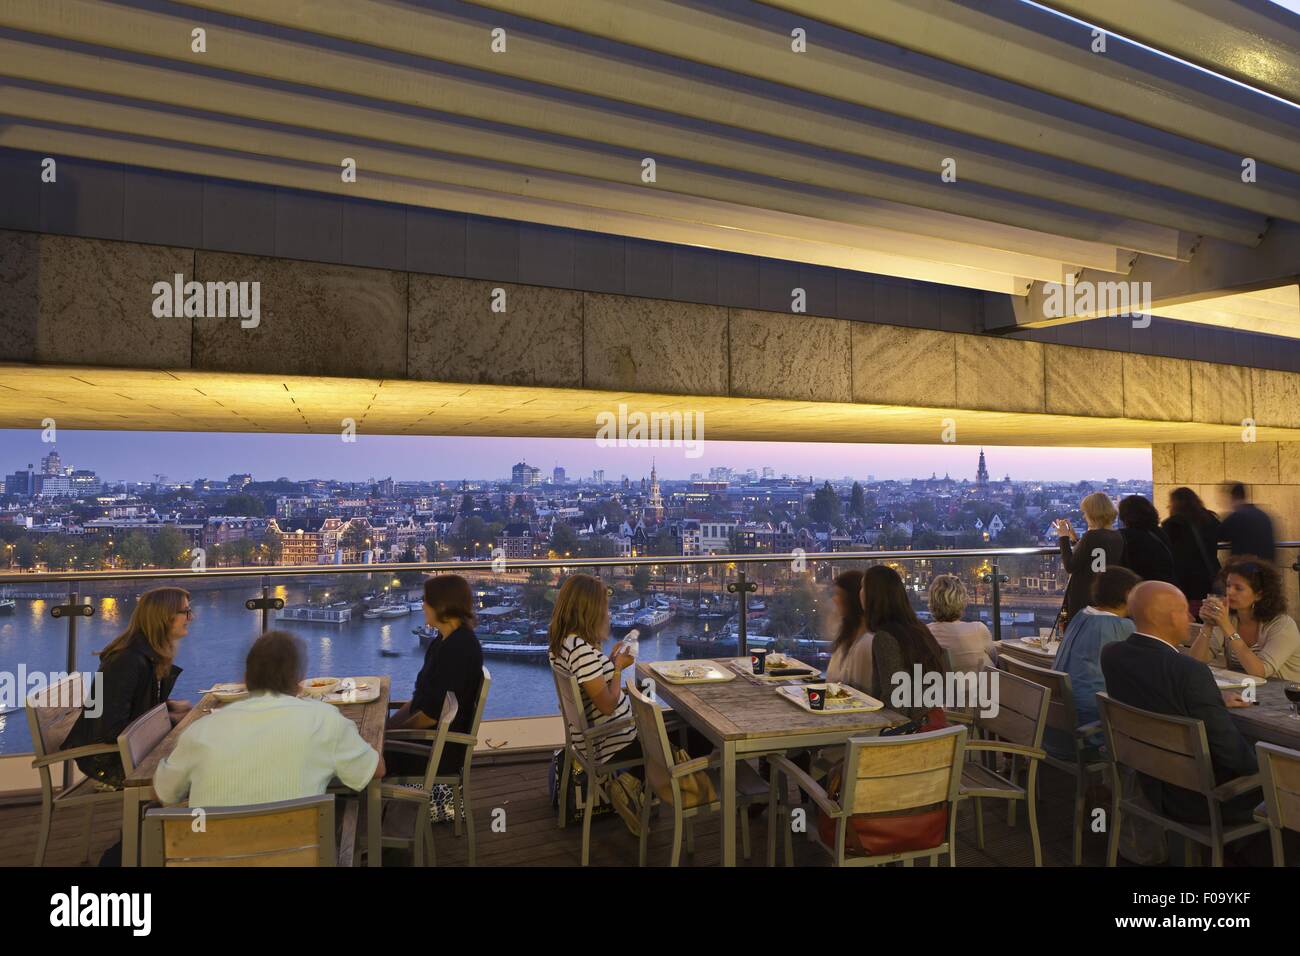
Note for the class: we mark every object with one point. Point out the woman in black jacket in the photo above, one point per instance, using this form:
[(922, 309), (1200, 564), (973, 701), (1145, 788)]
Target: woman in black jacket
[(1100, 547), (136, 674), (1148, 552), (1194, 536)]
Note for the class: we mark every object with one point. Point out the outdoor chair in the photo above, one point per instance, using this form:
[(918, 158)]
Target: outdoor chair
[(51, 712), (664, 776), (1279, 769), (286, 833), (1016, 730), (584, 754), (1087, 764), (1174, 751), (882, 775)]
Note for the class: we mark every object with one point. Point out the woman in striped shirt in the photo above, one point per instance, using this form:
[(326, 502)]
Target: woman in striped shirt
[(579, 626)]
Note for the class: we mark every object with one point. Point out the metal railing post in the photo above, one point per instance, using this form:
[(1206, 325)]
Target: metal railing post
[(997, 579), (72, 610), (742, 586), (266, 604)]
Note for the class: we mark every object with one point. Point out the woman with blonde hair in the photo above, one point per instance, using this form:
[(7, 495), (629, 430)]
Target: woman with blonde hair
[(136, 674), (579, 626), (1100, 547), (968, 644)]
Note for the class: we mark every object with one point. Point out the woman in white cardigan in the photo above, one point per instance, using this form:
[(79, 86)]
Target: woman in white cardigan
[(851, 653)]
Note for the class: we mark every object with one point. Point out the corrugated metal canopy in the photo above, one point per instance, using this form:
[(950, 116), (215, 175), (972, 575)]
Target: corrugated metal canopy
[(1071, 163)]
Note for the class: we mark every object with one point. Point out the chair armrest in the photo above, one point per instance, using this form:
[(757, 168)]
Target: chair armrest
[(411, 733), (466, 739), (1002, 746), (395, 704), (400, 747), (692, 766), (89, 750), (1087, 730), (808, 785), (959, 717), (604, 730), (1234, 788)]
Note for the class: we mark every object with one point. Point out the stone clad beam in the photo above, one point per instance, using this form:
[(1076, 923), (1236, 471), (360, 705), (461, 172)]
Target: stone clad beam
[(87, 303)]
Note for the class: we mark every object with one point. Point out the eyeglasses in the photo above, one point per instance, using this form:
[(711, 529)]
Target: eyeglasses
[(188, 612)]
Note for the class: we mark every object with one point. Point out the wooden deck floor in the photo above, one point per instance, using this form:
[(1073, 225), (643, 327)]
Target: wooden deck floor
[(531, 837)]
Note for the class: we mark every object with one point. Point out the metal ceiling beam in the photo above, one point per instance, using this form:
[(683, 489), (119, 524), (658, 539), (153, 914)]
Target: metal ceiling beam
[(982, 40), (747, 49), (245, 53), (1217, 269), (155, 84), (325, 178), (1251, 41), (759, 51), (519, 180)]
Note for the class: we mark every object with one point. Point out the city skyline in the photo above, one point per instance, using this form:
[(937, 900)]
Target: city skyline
[(184, 456)]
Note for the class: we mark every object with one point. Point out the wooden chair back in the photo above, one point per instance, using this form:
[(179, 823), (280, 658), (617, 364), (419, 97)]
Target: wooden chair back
[(142, 735), (1170, 749), (1022, 709), (658, 753), (51, 712), (890, 774), (450, 708), (571, 708), (287, 833), (1061, 713), (1280, 769)]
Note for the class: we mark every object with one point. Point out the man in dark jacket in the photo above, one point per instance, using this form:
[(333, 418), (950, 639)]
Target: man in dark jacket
[(1147, 670), (1248, 530)]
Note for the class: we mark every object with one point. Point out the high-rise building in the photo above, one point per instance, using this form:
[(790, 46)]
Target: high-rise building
[(51, 464), (21, 483), (525, 474), (598, 476), (558, 476), (85, 483)]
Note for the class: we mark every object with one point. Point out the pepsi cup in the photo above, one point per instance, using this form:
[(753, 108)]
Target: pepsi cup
[(758, 661), (816, 698)]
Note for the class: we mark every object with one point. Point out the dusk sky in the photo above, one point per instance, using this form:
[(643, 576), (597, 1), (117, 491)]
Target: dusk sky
[(184, 456)]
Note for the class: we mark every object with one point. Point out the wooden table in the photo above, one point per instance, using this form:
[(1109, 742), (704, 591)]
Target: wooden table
[(1270, 720), (369, 718), (743, 719), (1026, 652)]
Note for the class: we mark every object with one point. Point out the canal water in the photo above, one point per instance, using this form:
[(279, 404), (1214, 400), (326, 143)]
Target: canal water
[(223, 629)]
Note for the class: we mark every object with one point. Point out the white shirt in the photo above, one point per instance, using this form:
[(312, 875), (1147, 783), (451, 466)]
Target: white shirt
[(265, 748)]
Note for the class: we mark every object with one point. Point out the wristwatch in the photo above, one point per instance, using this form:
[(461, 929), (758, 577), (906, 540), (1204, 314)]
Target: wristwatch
[(1234, 636)]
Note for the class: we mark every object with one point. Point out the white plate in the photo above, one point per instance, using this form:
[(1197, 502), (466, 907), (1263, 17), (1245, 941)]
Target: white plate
[(691, 672), (228, 692), (859, 703), (365, 690)]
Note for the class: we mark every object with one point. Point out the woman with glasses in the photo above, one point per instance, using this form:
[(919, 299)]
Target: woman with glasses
[(136, 674), (1248, 628)]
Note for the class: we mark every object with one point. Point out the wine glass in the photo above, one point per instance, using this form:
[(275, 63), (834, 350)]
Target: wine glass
[(1292, 692)]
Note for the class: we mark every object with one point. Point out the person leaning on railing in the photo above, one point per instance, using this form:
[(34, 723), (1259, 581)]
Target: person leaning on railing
[(1100, 547), (1193, 532), (968, 643), (1249, 627)]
